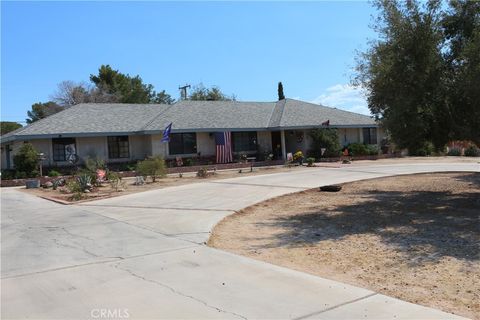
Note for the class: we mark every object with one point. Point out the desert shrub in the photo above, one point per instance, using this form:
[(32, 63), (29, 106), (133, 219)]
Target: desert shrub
[(426, 150), (202, 173), (92, 164), (26, 160), (188, 162), (84, 181), (153, 167), (472, 151), (54, 173), (115, 181), (454, 152), (310, 161), (325, 138), (57, 183), (74, 186)]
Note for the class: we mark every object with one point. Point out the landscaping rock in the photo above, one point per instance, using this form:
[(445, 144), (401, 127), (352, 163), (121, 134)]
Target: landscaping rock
[(331, 188), (48, 184)]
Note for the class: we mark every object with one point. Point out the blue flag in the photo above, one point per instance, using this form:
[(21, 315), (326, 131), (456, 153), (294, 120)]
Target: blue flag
[(166, 133)]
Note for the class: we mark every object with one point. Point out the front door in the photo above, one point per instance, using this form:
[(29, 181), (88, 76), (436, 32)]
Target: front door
[(277, 144)]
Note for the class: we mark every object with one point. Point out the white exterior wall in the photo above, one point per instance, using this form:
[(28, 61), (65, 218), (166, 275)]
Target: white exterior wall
[(158, 148), (349, 135), (206, 144), (91, 147), (140, 147)]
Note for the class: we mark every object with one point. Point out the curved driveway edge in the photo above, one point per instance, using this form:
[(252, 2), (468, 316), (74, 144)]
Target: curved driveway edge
[(141, 256)]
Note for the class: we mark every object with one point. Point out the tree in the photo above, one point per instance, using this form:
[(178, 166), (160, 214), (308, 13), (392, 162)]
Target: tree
[(461, 25), (163, 97), (41, 110), (199, 92), (26, 160), (429, 92), (126, 89), (325, 138), (281, 96), (403, 78), (8, 126)]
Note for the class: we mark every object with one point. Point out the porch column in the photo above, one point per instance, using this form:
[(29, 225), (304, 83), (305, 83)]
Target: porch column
[(284, 149)]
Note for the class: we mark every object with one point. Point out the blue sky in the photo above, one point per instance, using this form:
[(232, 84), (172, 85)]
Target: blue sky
[(245, 48)]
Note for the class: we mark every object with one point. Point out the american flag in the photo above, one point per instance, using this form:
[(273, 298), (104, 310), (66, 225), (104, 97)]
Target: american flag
[(223, 142)]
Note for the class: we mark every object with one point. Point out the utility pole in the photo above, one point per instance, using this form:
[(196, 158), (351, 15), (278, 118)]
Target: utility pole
[(183, 91)]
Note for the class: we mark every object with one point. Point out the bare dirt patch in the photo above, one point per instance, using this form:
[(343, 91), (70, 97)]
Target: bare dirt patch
[(106, 191), (413, 237)]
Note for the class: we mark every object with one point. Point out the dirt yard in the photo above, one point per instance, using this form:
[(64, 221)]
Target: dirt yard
[(412, 237)]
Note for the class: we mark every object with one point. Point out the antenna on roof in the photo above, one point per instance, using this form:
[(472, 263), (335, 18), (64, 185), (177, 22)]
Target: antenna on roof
[(183, 91)]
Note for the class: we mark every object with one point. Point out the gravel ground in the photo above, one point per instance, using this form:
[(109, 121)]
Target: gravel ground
[(412, 237)]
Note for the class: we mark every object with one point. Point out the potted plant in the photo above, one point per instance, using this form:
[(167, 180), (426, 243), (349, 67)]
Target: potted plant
[(298, 157)]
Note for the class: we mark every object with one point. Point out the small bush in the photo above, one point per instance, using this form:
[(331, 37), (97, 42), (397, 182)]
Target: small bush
[(74, 186), (92, 164), (188, 162), (54, 173), (454, 152), (357, 149), (202, 173), (26, 160), (8, 174), (472, 151), (310, 161), (115, 181), (426, 150), (153, 167), (84, 181), (372, 150)]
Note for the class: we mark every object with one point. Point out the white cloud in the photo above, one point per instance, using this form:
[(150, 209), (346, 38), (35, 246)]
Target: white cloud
[(344, 96)]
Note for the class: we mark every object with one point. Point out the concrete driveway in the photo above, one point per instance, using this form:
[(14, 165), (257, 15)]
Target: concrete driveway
[(142, 256)]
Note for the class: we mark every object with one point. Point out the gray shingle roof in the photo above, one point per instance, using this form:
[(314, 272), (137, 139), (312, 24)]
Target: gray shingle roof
[(304, 114), (108, 118), (192, 115)]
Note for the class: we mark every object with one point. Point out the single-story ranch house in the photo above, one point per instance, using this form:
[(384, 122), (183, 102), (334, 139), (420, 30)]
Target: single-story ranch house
[(129, 132)]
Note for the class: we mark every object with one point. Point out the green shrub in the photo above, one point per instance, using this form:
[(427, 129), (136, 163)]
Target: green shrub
[(26, 160), (84, 181), (188, 162), (92, 164), (325, 138), (472, 151), (153, 167), (310, 161), (372, 150), (8, 174), (74, 186), (357, 149), (426, 150), (454, 152), (54, 173)]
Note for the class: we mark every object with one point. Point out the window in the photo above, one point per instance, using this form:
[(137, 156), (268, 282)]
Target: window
[(182, 143), (62, 148), (118, 147), (370, 135), (244, 141)]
